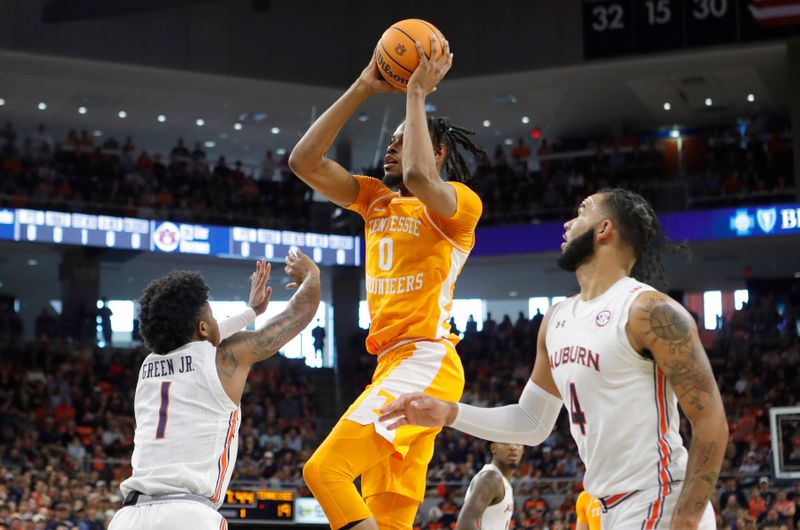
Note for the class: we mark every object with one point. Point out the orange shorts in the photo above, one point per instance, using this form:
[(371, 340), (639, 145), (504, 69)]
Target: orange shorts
[(424, 366)]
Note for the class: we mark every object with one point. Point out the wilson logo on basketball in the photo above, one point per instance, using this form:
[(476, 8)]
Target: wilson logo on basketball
[(387, 71), (400, 49), (602, 318)]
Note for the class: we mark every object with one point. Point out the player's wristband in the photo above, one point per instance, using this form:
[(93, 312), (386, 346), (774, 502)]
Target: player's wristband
[(529, 422), (236, 323)]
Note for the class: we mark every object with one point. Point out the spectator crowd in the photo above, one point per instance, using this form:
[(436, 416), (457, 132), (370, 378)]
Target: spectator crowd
[(116, 178), (724, 166)]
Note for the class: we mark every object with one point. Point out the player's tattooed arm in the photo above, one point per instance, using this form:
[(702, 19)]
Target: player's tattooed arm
[(239, 352), (487, 490), (662, 328)]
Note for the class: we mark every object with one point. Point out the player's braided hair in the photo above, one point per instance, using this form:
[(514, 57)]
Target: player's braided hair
[(169, 308), (639, 226), (454, 139)]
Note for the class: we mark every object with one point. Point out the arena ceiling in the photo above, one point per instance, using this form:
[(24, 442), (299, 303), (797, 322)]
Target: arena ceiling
[(589, 99)]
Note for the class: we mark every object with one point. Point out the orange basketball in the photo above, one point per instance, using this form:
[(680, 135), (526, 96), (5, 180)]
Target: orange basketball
[(396, 55)]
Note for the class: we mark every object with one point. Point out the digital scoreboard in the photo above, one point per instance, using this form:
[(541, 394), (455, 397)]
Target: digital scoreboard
[(168, 237), (257, 506), (623, 27)]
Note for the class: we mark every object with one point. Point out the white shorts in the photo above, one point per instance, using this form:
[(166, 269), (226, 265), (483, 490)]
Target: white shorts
[(648, 510), (168, 515)]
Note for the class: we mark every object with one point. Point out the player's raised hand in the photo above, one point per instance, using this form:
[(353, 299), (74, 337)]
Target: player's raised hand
[(260, 293), (430, 71), (372, 79), (299, 268), (419, 409)]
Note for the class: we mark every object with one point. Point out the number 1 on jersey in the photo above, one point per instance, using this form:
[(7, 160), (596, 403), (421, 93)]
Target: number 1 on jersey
[(576, 414), (163, 414)]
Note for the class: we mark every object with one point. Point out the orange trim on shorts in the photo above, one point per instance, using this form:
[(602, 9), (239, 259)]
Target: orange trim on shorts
[(224, 458)]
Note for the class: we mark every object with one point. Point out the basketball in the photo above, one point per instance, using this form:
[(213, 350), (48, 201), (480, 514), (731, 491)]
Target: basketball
[(396, 55)]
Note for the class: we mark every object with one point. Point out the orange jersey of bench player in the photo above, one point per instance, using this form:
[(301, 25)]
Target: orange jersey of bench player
[(413, 258), (589, 510)]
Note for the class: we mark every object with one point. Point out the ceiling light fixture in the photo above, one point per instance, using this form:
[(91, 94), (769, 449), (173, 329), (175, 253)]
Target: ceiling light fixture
[(526, 120), (487, 123), (122, 114), (275, 130), (42, 105), (199, 122), (751, 98), (2, 102), (161, 118), (82, 110), (237, 126), (709, 102), (667, 105)]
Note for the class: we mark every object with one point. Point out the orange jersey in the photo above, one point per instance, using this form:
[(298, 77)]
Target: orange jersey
[(413, 258), (589, 510)]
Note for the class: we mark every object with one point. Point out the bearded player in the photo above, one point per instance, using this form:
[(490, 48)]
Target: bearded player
[(621, 356), (419, 229)]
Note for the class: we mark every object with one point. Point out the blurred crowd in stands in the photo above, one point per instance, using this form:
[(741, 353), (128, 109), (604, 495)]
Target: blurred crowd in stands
[(742, 163), (715, 168), (84, 173)]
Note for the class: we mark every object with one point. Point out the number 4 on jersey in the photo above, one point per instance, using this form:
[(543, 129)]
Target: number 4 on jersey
[(575, 411)]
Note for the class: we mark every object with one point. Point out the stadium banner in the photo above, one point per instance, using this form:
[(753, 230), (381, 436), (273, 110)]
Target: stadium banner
[(695, 225), (128, 233)]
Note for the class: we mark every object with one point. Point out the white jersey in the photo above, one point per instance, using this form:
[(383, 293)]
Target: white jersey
[(497, 516), (623, 412), (186, 426)]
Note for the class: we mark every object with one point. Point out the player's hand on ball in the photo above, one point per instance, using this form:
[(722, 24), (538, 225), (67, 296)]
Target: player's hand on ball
[(419, 409), (430, 72), (259, 292), (299, 268), (372, 79)]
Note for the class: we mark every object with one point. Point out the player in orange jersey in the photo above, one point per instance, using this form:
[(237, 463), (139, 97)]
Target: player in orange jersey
[(589, 511), (417, 240)]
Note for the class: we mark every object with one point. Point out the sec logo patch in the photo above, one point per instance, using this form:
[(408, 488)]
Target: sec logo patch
[(602, 318)]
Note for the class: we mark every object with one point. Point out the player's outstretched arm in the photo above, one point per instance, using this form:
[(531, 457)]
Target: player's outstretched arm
[(528, 422), (420, 174), (665, 329), (308, 159), (260, 294), (237, 354), (487, 490)]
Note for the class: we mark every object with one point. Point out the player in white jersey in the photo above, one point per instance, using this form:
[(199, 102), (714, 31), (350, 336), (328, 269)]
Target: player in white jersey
[(189, 390), (621, 356), (489, 501)]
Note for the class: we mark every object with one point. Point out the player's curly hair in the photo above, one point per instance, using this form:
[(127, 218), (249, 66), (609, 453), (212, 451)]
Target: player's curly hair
[(639, 226), (169, 308), (454, 138)]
